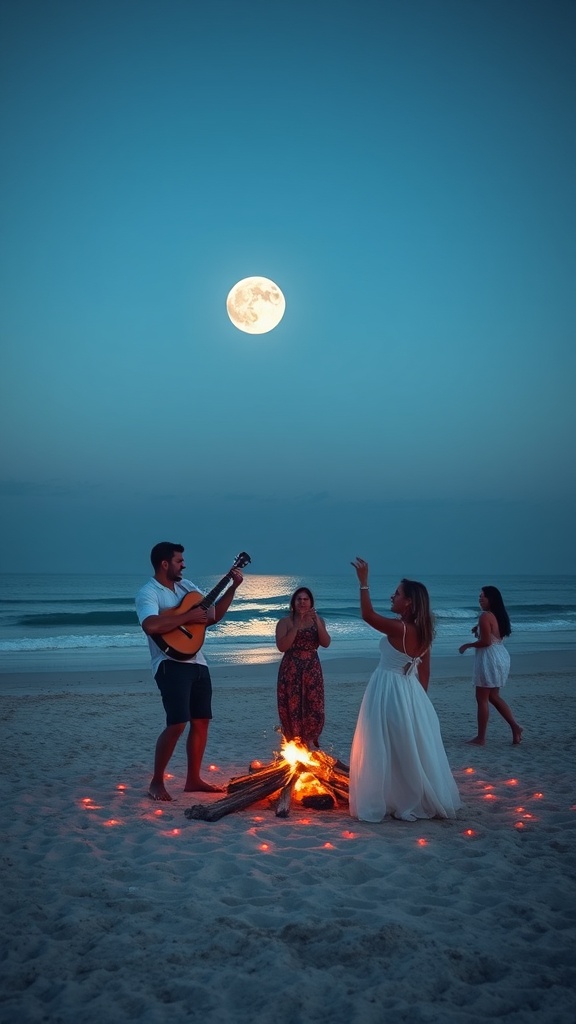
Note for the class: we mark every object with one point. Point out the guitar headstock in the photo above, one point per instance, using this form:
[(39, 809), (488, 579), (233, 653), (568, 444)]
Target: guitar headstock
[(241, 560)]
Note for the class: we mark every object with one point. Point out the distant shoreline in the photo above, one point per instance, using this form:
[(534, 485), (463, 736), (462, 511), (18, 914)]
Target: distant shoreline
[(91, 675)]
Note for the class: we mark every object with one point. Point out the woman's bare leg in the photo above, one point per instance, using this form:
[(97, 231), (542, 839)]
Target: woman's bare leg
[(483, 714), (502, 707)]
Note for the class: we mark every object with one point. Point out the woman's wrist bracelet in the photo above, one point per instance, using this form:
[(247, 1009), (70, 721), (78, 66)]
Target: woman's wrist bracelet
[(365, 588)]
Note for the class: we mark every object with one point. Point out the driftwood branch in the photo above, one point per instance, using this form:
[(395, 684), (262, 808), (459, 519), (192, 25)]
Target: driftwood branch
[(283, 805), (242, 797)]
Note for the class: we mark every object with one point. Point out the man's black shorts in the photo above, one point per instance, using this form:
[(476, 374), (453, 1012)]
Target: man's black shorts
[(186, 690)]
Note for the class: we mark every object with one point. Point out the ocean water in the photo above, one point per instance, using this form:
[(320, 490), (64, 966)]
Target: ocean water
[(48, 615)]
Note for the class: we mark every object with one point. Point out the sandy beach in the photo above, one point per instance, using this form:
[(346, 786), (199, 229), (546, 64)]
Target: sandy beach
[(117, 909)]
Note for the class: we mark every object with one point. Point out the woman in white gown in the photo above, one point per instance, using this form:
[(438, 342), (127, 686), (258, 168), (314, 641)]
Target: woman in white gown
[(491, 663), (398, 764)]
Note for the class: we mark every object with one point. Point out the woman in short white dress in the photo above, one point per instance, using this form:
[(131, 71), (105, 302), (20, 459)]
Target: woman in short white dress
[(398, 765), (491, 663)]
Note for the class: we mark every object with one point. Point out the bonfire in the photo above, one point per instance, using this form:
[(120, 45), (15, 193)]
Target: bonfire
[(308, 777)]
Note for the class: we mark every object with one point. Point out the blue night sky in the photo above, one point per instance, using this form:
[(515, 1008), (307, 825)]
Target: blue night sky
[(403, 170)]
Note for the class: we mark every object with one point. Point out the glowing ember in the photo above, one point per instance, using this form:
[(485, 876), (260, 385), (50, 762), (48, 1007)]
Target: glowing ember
[(213, 768), (158, 812), (511, 782), (537, 796), (469, 771), (490, 796), (519, 824), (264, 847), (112, 822), (349, 835), (328, 846), (422, 842), (488, 787), (519, 810), (121, 786)]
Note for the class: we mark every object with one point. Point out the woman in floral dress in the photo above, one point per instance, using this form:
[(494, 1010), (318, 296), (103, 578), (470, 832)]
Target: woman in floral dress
[(300, 679)]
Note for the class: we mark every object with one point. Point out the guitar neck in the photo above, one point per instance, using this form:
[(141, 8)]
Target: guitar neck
[(214, 594)]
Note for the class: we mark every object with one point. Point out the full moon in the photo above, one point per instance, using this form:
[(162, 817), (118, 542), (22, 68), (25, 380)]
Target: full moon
[(255, 305)]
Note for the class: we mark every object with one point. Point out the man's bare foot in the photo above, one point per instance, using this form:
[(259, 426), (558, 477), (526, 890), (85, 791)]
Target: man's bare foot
[(476, 742), (158, 791), (199, 786), (517, 735)]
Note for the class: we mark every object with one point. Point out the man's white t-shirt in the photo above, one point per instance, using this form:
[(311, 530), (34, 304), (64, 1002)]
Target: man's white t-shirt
[(152, 599)]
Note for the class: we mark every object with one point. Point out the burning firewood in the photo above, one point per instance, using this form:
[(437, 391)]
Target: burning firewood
[(313, 777)]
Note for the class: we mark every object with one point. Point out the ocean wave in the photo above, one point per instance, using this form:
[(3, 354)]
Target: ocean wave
[(126, 618)]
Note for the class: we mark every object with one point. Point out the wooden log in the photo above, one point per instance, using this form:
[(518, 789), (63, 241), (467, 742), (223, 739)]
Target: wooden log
[(254, 778), (335, 764), (237, 801), (285, 798)]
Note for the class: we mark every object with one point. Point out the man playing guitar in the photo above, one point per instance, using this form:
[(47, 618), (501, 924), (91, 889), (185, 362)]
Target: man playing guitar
[(185, 683)]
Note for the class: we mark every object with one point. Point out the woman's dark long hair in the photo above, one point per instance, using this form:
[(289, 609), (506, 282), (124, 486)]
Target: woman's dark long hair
[(494, 598), (423, 617), (295, 595)]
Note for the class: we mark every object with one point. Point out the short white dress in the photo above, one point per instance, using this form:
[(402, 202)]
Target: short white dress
[(491, 664), (398, 764)]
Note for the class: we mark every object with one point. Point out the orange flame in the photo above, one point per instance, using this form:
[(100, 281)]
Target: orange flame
[(295, 753)]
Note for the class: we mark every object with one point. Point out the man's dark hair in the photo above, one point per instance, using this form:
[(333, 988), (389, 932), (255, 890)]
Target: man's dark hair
[(163, 552)]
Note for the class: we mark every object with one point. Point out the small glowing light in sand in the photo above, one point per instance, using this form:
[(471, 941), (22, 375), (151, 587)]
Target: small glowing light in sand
[(488, 786), (168, 776), (490, 796), (422, 842), (469, 771), (349, 835), (529, 817), (469, 832), (304, 821), (171, 832), (213, 768), (258, 817), (537, 796), (158, 812), (264, 847), (328, 846), (519, 824), (112, 822), (511, 782), (121, 786)]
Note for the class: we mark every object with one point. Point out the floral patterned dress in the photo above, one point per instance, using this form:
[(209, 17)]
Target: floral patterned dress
[(301, 689)]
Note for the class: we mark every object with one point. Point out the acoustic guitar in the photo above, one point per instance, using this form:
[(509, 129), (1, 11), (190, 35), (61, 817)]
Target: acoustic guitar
[(185, 641)]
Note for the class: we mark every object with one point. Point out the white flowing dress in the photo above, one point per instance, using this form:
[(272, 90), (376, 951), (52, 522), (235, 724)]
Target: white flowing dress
[(398, 764), (491, 664)]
